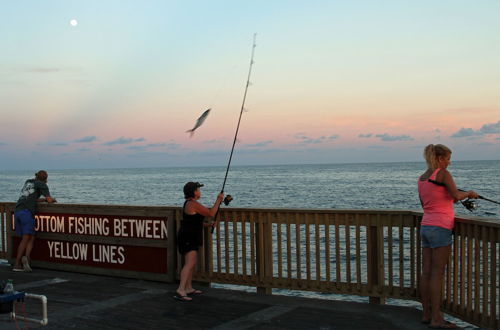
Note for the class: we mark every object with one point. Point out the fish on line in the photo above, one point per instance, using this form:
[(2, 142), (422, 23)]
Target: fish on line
[(199, 122)]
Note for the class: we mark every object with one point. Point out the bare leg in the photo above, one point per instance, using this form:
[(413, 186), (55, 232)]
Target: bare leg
[(440, 257), (22, 248), (29, 247), (425, 294), (186, 272), (189, 282)]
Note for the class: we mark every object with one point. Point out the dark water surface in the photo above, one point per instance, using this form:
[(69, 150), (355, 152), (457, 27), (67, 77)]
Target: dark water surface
[(341, 186)]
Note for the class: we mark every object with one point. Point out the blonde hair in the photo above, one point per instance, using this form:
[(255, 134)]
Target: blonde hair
[(432, 153)]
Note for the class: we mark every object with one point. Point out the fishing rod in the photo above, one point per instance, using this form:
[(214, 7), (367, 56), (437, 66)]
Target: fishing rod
[(468, 203), (229, 198), (487, 199), (471, 205)]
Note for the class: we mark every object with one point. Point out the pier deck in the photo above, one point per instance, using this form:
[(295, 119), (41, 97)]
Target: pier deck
[(80, 301)]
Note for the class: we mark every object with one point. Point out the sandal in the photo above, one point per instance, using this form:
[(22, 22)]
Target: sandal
[(194, 292), (445, 325), (182, 298)]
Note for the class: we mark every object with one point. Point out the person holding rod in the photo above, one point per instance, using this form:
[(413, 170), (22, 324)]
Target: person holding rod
[(437, 192), (190, 236)]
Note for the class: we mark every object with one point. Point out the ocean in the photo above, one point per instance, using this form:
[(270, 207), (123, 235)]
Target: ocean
[(340, 186)]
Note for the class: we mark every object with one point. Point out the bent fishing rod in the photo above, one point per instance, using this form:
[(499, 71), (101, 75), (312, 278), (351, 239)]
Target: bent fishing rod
[(229, 198)]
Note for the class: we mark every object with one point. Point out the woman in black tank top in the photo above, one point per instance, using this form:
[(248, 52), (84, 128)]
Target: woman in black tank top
[(190, 236)]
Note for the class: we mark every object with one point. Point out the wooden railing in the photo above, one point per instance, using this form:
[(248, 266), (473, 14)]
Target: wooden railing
[(3, 231), (471, 289), (373, 253), (370, 253)]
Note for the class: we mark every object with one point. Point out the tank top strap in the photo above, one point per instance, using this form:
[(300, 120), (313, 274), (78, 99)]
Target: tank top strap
[(434, 174)]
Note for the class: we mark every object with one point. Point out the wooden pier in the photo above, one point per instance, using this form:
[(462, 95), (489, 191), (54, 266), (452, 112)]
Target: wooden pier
[(370, 253), (83, 301)]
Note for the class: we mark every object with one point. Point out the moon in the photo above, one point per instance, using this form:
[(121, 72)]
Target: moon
[(73, 22)]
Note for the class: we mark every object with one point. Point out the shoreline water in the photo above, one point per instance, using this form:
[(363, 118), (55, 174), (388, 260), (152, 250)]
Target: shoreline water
[(318, 186), (234, 165)]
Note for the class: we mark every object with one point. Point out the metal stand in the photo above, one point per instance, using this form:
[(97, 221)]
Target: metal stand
[(43, 299)]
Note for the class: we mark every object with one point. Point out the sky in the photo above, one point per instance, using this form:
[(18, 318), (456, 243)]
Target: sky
[(332, 82)]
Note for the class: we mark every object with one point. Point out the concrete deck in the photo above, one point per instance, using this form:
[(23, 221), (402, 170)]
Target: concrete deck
[(80, 301)]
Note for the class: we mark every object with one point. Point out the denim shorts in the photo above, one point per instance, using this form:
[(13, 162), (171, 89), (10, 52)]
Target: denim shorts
[(25, 223), (434, 237)]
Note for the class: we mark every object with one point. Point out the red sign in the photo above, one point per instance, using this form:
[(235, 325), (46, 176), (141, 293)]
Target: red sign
[(103, 253)]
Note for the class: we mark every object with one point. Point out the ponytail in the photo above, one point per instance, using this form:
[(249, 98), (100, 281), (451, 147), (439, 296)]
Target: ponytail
[(432, 153)]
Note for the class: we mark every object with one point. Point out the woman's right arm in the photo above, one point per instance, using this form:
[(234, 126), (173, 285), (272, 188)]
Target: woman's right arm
[(453, 190), (209, 212)]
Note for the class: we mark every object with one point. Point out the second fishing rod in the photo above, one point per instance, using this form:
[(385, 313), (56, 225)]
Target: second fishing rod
[(229, 198)]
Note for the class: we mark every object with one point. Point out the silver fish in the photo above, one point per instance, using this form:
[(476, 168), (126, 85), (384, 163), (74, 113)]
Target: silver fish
[(199, 122)]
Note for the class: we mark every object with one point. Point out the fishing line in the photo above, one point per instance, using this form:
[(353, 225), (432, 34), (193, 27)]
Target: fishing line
[(222, 86), (228, 198)]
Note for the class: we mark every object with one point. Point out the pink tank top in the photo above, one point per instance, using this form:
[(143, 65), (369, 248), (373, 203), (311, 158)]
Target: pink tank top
[(437, 204)]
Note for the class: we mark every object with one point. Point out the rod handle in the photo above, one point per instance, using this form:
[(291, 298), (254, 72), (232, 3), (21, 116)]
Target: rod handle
[(216, 214)]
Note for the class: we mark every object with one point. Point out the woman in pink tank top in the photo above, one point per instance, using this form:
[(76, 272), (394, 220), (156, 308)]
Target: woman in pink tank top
[(437, 192)]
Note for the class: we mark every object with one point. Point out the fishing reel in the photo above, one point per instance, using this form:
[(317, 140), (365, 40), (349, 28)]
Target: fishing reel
[(469, 204), (227, 199)]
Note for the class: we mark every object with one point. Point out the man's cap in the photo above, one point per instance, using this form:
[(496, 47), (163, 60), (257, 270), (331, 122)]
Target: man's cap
[(190, 187)]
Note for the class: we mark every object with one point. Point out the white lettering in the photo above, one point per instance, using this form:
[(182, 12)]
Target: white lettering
[(140, 227), (116, 227), (124, 227), (156, 225), (57, 246), (148, 230), (80, 226), (51, 246), (71, 224), (67, 250), (121, 253), (163, 230), (56, 224), (108, 254)]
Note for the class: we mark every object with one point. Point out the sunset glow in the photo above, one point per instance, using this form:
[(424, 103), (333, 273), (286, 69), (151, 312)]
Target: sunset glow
[(333, 81)]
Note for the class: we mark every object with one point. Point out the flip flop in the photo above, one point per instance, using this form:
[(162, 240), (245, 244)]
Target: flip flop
[(18, 269), (445, 325), (182, 298), (195, 292)]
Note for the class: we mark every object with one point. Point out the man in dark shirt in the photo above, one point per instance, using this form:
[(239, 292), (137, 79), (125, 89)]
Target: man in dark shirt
[(24, 217)]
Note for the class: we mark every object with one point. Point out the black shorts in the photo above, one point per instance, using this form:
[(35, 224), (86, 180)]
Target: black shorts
[(185, 247), (187, 241)]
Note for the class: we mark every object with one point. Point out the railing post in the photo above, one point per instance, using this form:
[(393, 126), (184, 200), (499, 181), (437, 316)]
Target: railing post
[(205, 266), (262, 251), (375, 246), (3, 232)]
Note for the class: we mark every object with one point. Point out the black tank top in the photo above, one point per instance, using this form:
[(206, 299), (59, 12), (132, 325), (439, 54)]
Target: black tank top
[(192, 225)]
